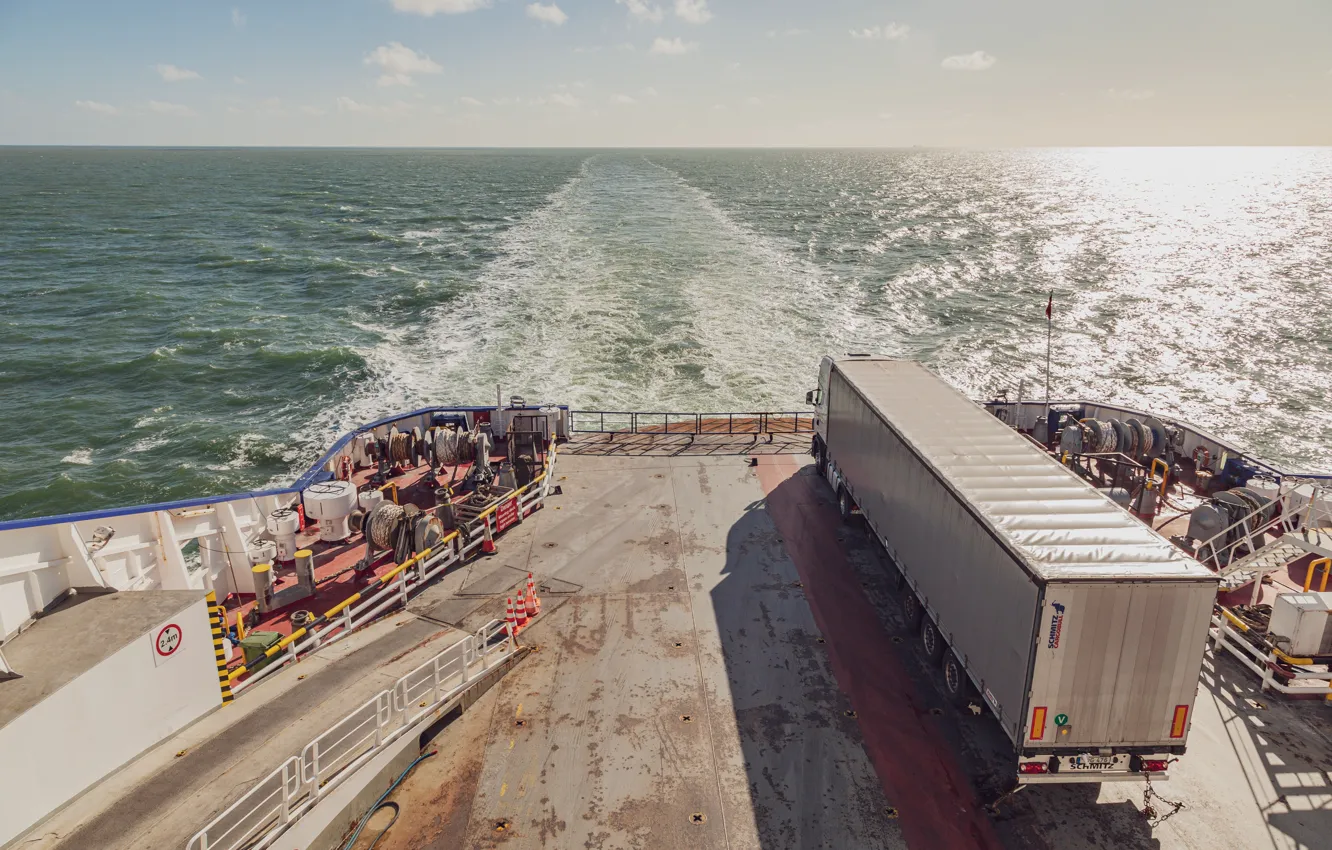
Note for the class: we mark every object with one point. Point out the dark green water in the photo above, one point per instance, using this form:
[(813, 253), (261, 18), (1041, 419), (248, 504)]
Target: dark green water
[(184, 322)]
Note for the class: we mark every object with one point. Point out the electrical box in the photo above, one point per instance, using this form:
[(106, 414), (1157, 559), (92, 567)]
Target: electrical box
[(1306, 620)]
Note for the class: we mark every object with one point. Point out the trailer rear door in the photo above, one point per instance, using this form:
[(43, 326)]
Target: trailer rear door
[(1117, 663)]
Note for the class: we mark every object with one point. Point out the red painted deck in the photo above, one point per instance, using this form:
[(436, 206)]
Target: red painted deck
[(335, 578)]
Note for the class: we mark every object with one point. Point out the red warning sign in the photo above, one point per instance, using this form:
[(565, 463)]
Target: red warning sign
[(168, 640), (506, 514)]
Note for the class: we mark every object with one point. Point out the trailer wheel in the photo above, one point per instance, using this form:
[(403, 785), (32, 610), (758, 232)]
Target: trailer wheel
[(820, 458), (956, 682), (911, 611), (844, 505), (931, 642)]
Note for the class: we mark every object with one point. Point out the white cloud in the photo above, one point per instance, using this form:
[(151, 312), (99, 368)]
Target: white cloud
[(237, 18), (885, 116), (790, 33), (693, 11), (734, 66), (623, 99), (470, 101), (346, 104), (641, 10), (400, 63), (547, 13), (1131, 94), (439, 7), (754, 101), (95, 106), (649, 92), (311, 110), (172, 74), (561, 98), (240, 81), (177, 109), (978, 61), (888, 32), (672, 46)]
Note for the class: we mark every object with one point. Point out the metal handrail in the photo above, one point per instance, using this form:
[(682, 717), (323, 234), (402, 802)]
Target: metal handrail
[(666, 422), (1253, 527), (1263, 660), (264, 812)]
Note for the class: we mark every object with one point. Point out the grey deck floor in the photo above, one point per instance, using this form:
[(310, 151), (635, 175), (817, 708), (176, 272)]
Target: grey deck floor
[(685, 678)]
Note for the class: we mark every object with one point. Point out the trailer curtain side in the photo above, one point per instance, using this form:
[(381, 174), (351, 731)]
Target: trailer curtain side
[(982, 523)]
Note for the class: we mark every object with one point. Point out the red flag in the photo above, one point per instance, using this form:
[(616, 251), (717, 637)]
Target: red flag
[(1049, 307)]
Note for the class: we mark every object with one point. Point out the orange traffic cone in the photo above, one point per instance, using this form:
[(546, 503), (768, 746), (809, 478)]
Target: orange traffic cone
[(487, 542), (511, 619), (520, 611), (533, 603)]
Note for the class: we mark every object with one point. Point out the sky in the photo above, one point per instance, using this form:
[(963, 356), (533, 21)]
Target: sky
[(669, 73)]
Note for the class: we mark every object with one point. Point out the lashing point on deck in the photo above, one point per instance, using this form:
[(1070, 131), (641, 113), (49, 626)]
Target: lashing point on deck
[(850, 712), (698, 818), (501, 825), (687, 718), (890, 813)]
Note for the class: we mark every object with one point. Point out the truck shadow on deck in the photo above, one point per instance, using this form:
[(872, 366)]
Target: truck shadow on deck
[(810, 783), (1053, 817)]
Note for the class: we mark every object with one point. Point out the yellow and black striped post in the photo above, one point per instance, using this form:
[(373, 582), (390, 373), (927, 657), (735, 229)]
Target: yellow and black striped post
[(217, 619)]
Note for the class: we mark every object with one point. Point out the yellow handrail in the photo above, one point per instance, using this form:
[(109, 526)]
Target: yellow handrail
[(1326, 564), (1165, 473)]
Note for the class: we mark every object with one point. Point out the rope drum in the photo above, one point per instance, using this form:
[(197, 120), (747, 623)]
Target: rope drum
[(382, 523), (399, 447)]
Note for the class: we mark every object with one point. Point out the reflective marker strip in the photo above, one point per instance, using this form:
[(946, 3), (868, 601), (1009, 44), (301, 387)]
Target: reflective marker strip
[(1177, 726), (1038, 723)]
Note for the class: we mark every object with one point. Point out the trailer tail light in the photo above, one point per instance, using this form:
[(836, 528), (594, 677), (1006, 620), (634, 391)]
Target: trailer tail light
[(1180, 723), (1033, 767), (1038, 723), (1154, 765)]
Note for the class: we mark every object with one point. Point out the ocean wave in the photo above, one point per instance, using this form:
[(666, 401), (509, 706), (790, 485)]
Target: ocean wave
[(79, 457)]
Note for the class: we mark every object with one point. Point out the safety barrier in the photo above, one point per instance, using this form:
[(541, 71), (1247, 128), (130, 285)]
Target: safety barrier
[(264, 812), (689, 424), (1226, 633), (397, 586)]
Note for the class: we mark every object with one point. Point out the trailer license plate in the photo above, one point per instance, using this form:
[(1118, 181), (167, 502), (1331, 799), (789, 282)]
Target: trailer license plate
[(1086, 762)]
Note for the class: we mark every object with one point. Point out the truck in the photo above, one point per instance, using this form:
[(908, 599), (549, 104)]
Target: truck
[(1077, 625)]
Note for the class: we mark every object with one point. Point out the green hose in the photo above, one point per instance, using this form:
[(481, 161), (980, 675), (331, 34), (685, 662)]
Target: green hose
[(380, 804)]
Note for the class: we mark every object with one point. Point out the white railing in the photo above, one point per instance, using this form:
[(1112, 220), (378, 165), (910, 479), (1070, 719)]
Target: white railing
[(259, 817), (397, 588), (1265, 661)]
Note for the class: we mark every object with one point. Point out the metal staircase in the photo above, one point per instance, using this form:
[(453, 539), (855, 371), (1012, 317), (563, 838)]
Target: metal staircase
[(1240, 551)]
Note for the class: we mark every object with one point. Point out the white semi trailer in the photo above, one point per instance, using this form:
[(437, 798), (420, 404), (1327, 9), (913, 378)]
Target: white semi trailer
[(1080, 627)]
